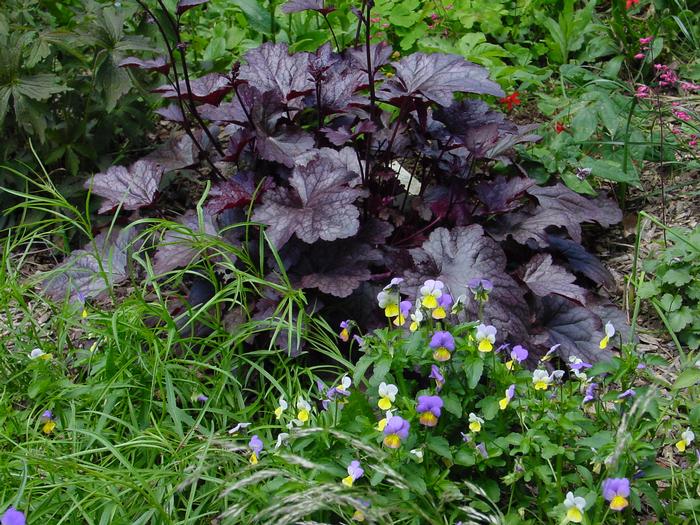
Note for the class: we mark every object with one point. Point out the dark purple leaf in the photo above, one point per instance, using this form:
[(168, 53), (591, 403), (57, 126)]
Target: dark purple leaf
[(172, 113), (560, 207), (237, 143), (544, 277), (235, 192), (181, 152), (574, 327), (380, 54), (436, 77), (178, 247), (501, 195), (186, 5), (297, 6), (270, 67), (464, 253), (319, 204), (283, 147), (337, 268), (581, 261), (338, 90), (159, 64), (225, 112), (209, 89), (132, 187), (465, 116), (90, 271)]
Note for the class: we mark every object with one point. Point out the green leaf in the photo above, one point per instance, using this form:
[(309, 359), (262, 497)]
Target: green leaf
[(452, 404), (578, 185), (258, 17), (677, 277), (648, 289), (113, 81), (584, 124), (38, 87), (473, 368), (440, 446), (610, 170), (687, 378), (381, 369), (465, 457), (5, 92), (670, 303), (680, 319), (361, 368)]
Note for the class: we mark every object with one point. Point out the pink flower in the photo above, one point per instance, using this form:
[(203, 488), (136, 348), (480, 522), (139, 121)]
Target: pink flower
[(639, 56), (681, 115), (646, 40), (643, 91)]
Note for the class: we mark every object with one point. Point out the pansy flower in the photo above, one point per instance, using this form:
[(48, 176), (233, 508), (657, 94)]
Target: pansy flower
[(255, 445), (486, 337), (404, 313), (574, 507), (345, 327), (283, 406), (444, 304), (510, 394), (12, 516), (238, 427), (381, 424), (590, 393), (38, 353), (49, 423), (83, 301), (443, 344), (387, 395), (517, 355), (550, 353), (389, 301), (355, 472), (541, 379), (480, 288), (395, 431), (303, 411), (616, 491), (475, 422), (202, 398), (416, 317), (687, 438), (437, 375), (430, 292), (282, 438), (429, 408), (609, 333), (630, 392), (344, 385), (481, 449)]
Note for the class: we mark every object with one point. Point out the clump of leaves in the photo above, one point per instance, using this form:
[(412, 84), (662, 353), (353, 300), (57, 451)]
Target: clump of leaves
[(359, 168), (673, 286)]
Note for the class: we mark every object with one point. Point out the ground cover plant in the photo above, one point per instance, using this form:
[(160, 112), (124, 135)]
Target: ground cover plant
[(355, 282)]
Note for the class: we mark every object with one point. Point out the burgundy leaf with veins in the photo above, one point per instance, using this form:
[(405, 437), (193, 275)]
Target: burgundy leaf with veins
[(463, 253), (181, 152), (209, 89), (90, 271), (436, 78), (178, 245), (132, 187), (544, 277), (159, 64), (186, 5), (236, 192), (580, 260), (172, 113), (284, 146), (297, 6), (318, 205), (501, 195), (270, 67), (380, 54)]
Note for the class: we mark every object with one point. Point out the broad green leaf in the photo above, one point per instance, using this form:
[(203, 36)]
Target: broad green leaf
[(677, 277), (648, 289), (687, 378), (578, 185), (113, 81), (5, 92), (584, 124), (610, 170), (361, 368), (452, 404), (258, 17), (440, 446), (670, 303), (38, 87), (679, 319), (473, 368), (465, 456)]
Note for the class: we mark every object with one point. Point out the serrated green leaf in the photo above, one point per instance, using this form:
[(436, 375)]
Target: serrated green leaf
[(677, 277), (680, 319), (648, 289), (38, 87), (381, 369), (114, 82), (5, 92), (670, 303)]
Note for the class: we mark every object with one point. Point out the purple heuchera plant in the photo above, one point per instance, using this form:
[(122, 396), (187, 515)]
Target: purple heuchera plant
[(300, 140)]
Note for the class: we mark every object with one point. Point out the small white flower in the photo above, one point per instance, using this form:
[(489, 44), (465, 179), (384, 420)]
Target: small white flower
[(36, 353), (388, 390), (574, 501), (239, 426), (557, 375), (473, 418), (345, 383), (282, 438), (688, 436), (418, 453), (609, 329)]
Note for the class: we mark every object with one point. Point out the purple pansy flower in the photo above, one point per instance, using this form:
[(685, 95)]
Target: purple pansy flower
[(519, 353), (590, 393), (255, 444), (616, 491), (429, 408), (202, 398), (481, 448), (395, 431), (355, 472), (344, 334), (578, 364), (12, 516), (484, 284), (439, 378), (443, 344), (627, 393)]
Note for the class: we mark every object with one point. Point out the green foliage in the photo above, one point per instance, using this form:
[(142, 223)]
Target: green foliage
[(673, 284), (60, 86)]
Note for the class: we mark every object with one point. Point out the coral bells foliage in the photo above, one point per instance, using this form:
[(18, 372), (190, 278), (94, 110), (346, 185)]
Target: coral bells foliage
[(310, 143)]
